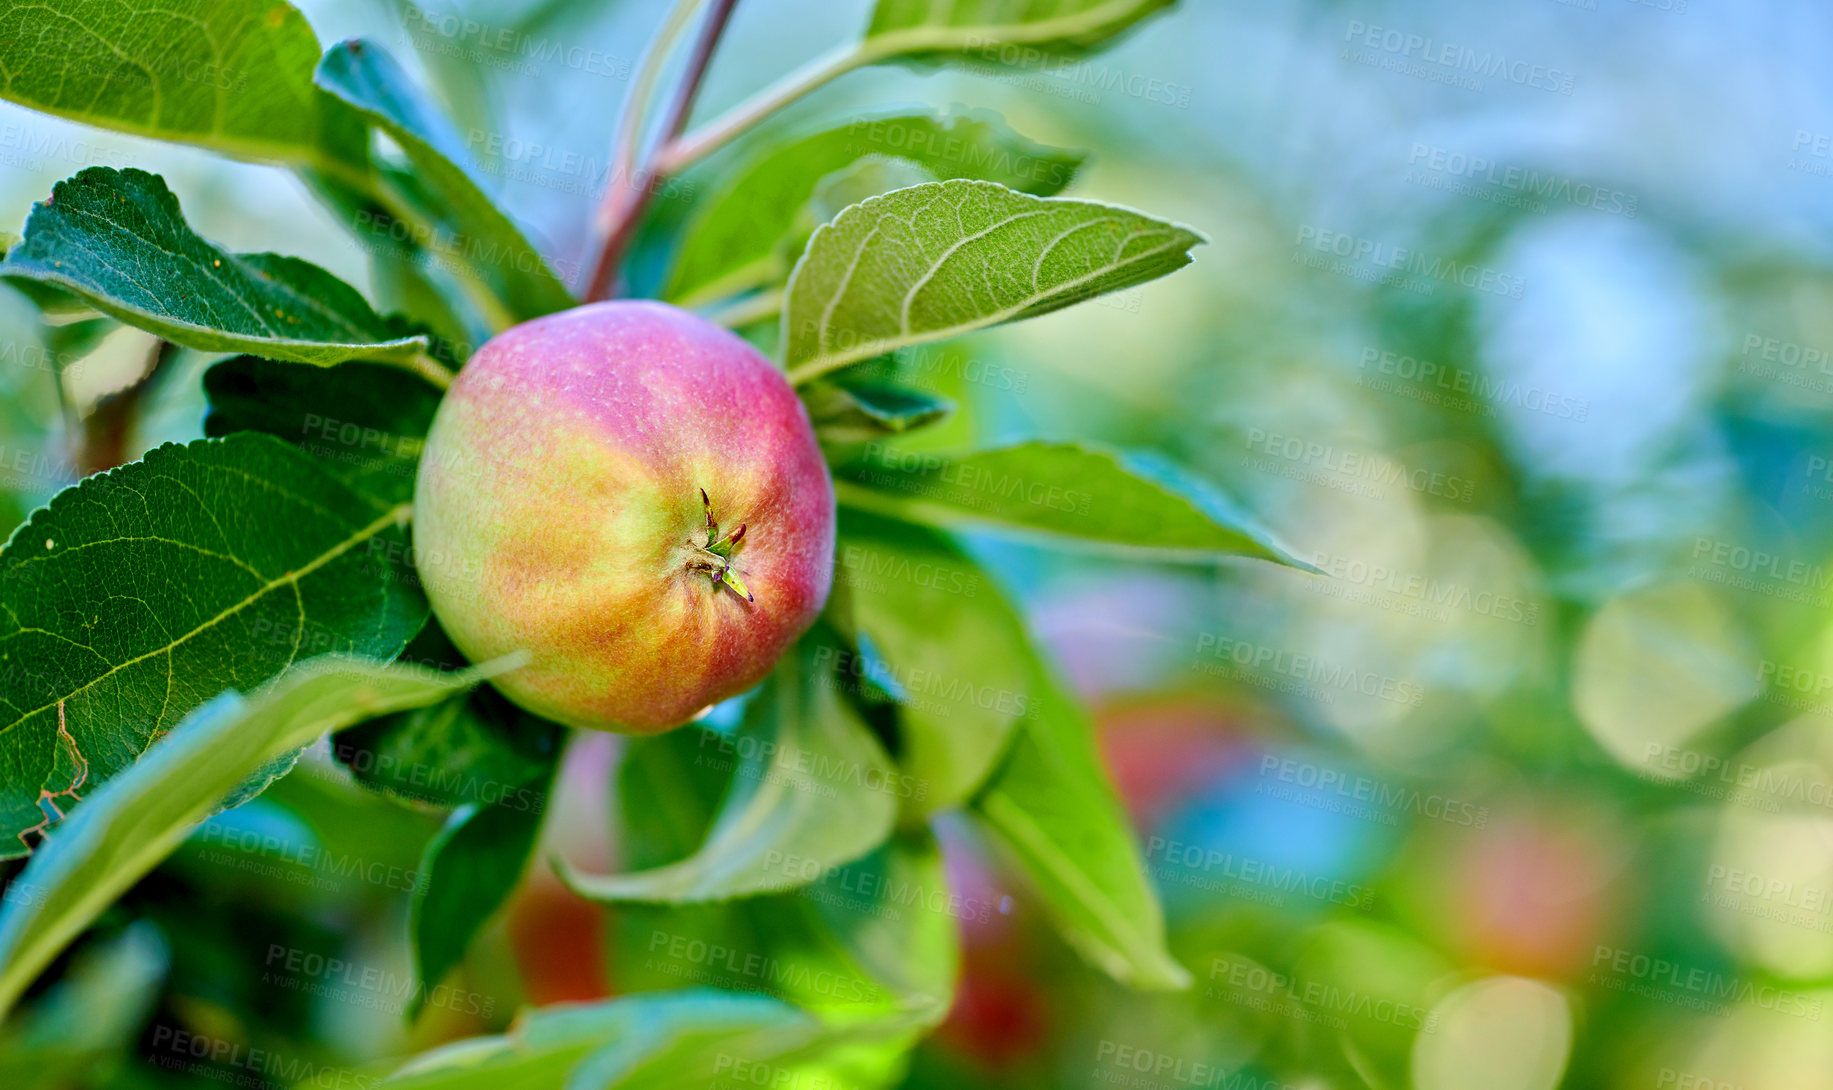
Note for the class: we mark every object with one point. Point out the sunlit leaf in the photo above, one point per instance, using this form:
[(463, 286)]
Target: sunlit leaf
[(1066, 490), (234, 76), (127, 827), (1016, 33), (118, 239), (138, 594), (487, 241), (937, 260), (1052, 806), (951, 647), (808, 779), (735, 239), (470, 867), (660, 1041)]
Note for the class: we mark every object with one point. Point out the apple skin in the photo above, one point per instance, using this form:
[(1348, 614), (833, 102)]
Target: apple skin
[(558, 509)]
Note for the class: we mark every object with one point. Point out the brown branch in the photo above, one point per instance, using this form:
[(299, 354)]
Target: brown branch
[(100, 440), (628, 211)]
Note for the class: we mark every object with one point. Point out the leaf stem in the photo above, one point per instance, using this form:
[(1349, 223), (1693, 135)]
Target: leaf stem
[(431, 370), (682, 152), (626, 198)]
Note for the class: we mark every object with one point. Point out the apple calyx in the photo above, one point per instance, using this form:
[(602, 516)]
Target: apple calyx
[(715, 557)]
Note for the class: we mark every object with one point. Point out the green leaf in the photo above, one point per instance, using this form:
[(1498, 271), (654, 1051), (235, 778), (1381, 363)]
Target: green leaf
[(476, 748), (875, 938), (660, 1041), (140, 593), (668, 793), (1003, 31), (405, 276), (96, 1011), (937, 260), (808, 779), (234, 76), (1065, 490), (366, 422), (140, 816), (471, 867), (1052, 806), (362, 74), (853, 412), (736, 236), (952, 650), (118, 239), (875, 935)]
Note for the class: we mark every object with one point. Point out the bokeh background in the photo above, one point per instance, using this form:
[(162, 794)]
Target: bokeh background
[(1516, 319)]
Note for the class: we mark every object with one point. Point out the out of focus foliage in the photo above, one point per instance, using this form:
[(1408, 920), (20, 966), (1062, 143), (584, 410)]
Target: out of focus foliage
[(1514, 322)]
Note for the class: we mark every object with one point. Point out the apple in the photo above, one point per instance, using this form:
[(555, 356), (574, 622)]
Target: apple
[(632, 495)]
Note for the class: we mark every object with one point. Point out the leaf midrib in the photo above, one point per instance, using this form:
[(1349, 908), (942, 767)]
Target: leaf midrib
[(117, 307), (291, 578), (952, 36), (821, 364)]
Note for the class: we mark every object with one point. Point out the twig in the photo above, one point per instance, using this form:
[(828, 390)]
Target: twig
[(716, 18), (680, 153), (622, 210), (430, 369), (101, 438)]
